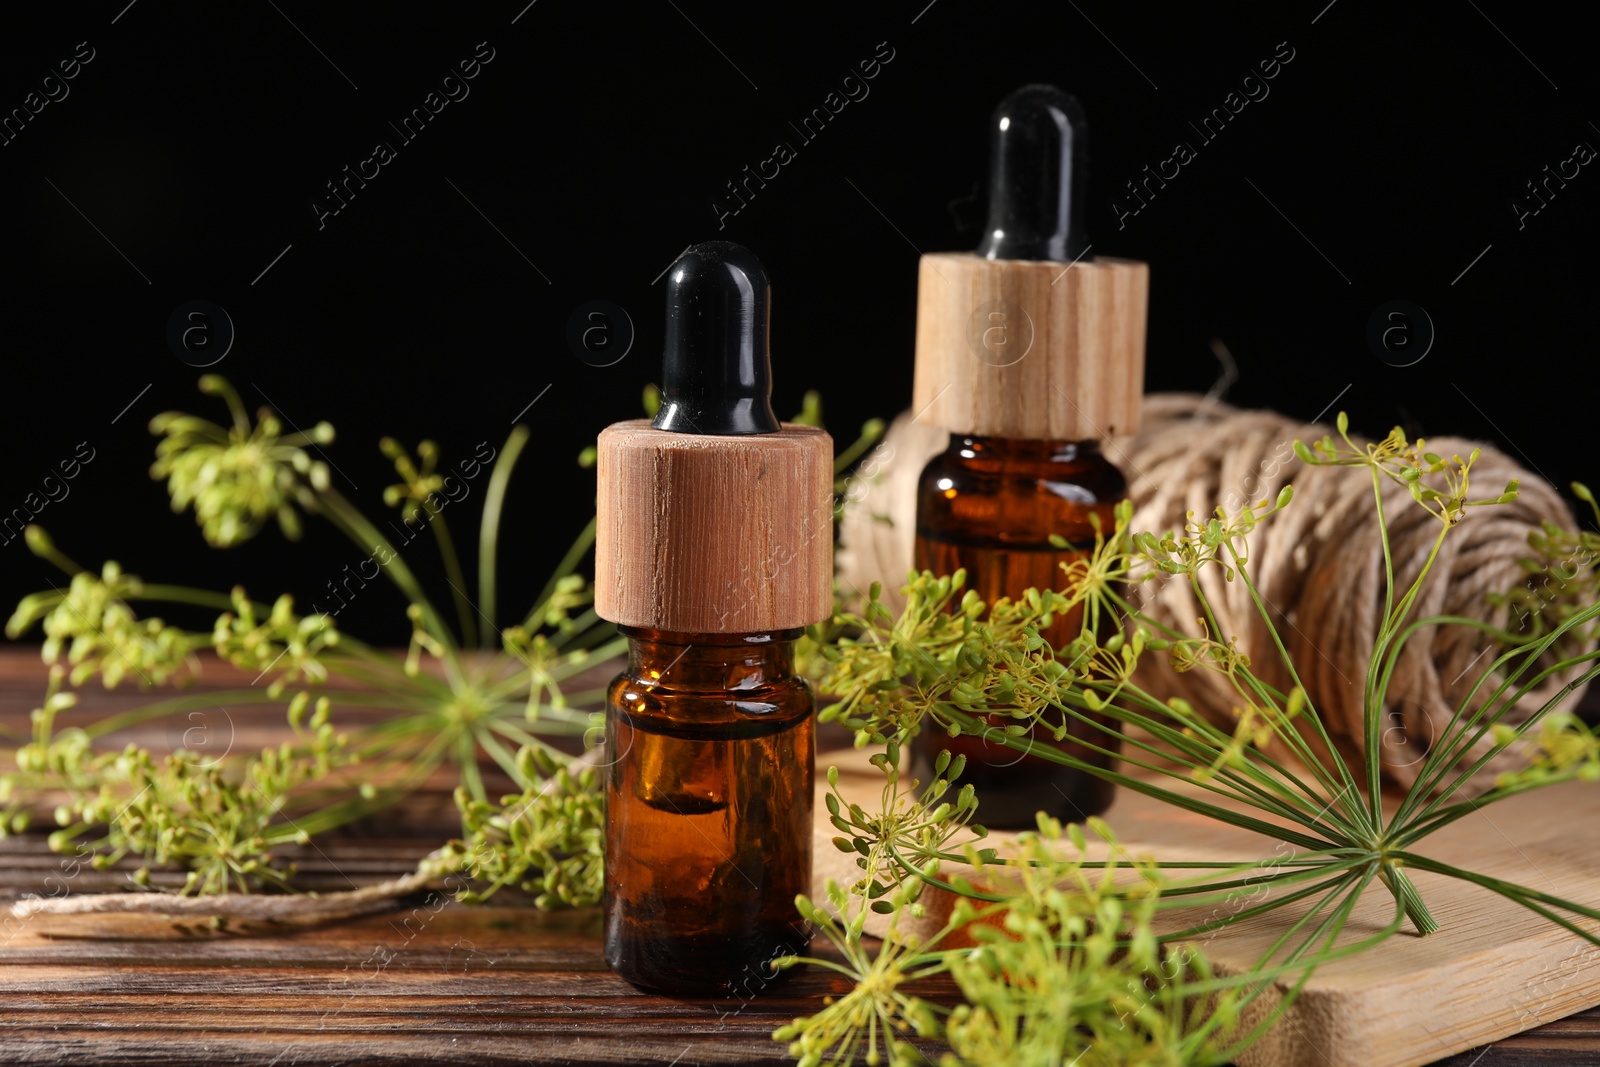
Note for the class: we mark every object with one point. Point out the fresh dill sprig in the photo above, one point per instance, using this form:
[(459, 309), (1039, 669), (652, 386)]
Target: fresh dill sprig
[(956, 665), (219, 819), (1060, 964), (548, 840)]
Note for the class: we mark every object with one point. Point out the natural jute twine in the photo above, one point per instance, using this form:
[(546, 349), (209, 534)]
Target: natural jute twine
[(1318, 564)]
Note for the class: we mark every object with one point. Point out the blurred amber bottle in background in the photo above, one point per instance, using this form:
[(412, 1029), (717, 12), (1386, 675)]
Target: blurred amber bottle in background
[(1030, 351)]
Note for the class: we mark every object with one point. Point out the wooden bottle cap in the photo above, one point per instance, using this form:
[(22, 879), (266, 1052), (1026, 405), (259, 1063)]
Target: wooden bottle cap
[(1030, 349), (703, 533)]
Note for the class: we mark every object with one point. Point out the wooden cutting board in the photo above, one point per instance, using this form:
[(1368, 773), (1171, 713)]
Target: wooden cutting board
[(1494, 969)]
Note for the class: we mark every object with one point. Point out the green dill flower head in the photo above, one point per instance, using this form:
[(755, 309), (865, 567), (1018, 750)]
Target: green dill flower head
[(92, 628), (1442, 486), (220, 823), (52, 760), (1062, 966), (1564, 747), (1072, 972), (418, 491), (283, 641), (237, 478), (549, 840), (1562, 579)]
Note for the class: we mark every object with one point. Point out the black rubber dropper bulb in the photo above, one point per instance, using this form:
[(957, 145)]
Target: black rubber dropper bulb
[(1038, 171), (716, 372)]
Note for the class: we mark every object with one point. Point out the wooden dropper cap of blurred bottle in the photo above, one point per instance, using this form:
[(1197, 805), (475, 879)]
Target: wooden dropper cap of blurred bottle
[(715, 518), (1030, 337)]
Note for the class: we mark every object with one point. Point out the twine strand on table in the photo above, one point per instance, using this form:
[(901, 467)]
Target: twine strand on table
[(224, 910)]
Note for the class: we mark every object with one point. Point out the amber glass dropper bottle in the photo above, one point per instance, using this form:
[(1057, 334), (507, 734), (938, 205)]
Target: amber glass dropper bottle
[(1030, 351), (713, 549)]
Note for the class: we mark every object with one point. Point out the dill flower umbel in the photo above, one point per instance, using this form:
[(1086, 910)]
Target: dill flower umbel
[(237, 478), (91, 627)]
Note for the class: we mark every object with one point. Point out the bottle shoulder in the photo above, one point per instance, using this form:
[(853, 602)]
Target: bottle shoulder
[(1024, 493), (709, 712), (1000, 465)]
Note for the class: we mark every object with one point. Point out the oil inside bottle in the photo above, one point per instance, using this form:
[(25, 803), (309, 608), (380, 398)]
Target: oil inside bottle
[(989, 505), (709, 820)]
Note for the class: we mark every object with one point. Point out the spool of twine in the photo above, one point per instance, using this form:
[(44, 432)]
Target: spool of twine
[(1318, 565)]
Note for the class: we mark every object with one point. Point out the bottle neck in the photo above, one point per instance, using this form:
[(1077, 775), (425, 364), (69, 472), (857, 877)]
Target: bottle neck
[(970, 446), (719, 662)]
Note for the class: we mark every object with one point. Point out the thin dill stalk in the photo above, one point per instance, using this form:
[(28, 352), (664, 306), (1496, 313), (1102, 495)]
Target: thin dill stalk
[(1454, 740), (1322, 958), (614, 646), (1370, 717), (1446, 816), (489, 526), (1521, 894), (1335, 873), (583, 629), (1466, 774), (335, 815), (385, 678), (1196, 759), (1024, 744), (454, 576), (113, 723), (41, 545), (1376, 682), (1150, 789), (499, 753), (359, 529), (181, 594), (217, 385), (1307, 756), (568, 564), (1277, 768), (1263, 974), (522, 737), (467, 759), (1530, 654), (1287, 805)]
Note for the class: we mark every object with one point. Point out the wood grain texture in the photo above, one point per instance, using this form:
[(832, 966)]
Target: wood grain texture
[(499, 984), (456, 985), (714, 534), (1030, 350)]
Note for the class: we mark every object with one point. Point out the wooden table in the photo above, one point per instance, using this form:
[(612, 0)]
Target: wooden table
[(501, 983)]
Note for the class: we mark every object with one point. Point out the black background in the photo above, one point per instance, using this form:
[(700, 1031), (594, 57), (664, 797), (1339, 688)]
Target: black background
[(1390, 149)]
